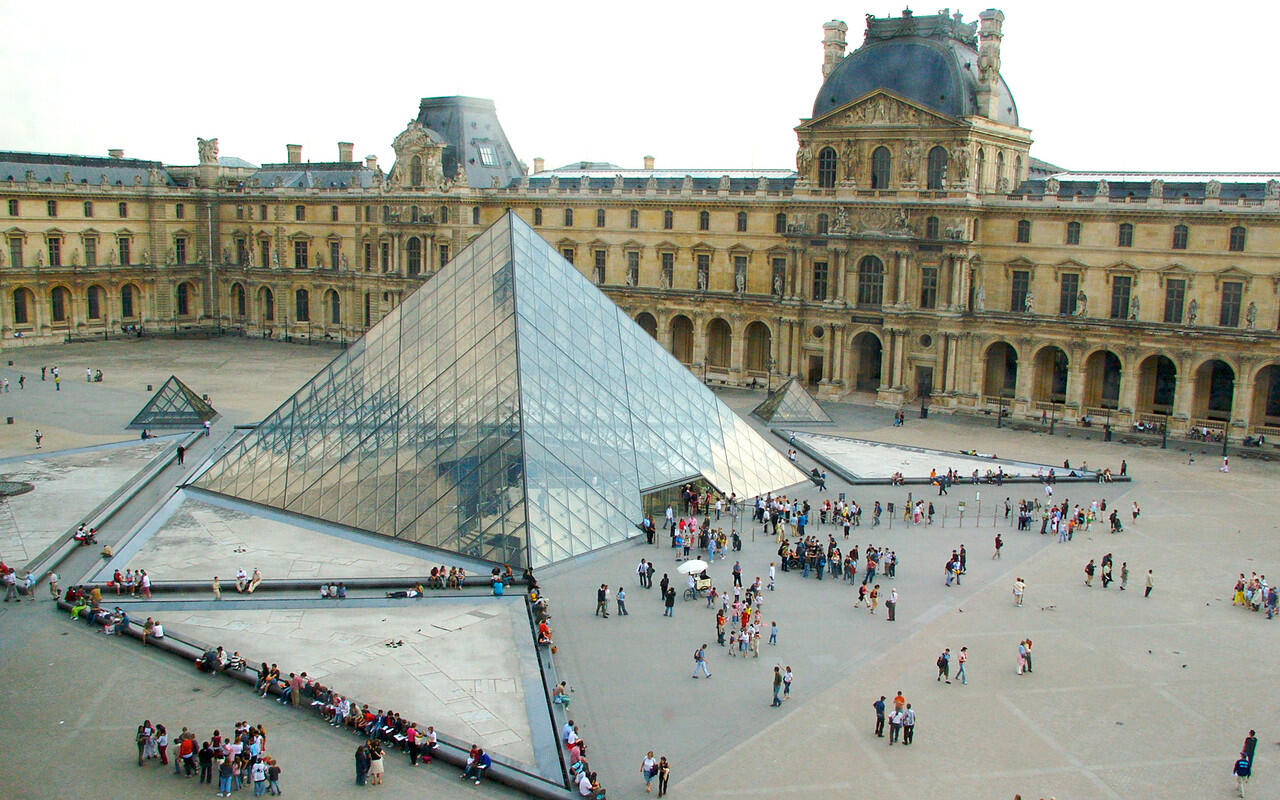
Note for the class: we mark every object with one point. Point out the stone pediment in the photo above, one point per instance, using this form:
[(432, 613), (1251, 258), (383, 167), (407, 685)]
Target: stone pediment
[(879, 108)]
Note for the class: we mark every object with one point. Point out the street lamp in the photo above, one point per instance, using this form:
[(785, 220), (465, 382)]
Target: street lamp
[(1226, 431), (768, 381), (1164, 432), (1053, 416), (1000, 411)]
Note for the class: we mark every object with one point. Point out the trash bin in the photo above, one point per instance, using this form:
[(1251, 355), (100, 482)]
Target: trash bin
[(924, 412), (8, 420), (889, 508)]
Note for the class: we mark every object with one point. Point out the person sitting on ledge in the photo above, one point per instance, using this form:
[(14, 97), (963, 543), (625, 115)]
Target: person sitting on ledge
[(544, 632), (324, 591), (342, 591), (452, 581), (107, 552), (148, 628)]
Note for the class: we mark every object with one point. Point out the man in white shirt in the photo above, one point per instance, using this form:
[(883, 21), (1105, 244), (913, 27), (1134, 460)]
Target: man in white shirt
[(908, 725)]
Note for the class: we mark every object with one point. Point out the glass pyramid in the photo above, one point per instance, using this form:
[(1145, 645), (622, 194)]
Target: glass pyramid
[(791, 403), (174, 406), (507, 410)]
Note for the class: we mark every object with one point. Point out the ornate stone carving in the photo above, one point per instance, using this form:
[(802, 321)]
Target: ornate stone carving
[(226, 255), (40, 258), (702, 279), (75, 257), (1135, 306), (686, 185), (849, 157), (980, 300), (1193, 311), (960, 163), (762, 186), (1273, 189), (584, 184), (1082, 304), (617, 181), (804, 159), (1003, 186), (723, 186), (910, 160), (1103, 189), (1251, 316), (417, 141), (651, 185), (555, 183), (1213, 189), (1157, 188), (740, 279), (841, 222), (883, 110), (1052, 187), (208, 149), (1029, 302), (146, 257)]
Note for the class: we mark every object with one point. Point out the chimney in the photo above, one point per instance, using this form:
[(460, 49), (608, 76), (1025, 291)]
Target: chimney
[(539, 164), (648, 163), (345, 150), (833, 45), (990, 32), (295, 153), (115, 152), (371, 162)]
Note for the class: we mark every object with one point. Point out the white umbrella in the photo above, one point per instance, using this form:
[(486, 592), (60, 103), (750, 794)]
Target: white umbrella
[(692, 567)]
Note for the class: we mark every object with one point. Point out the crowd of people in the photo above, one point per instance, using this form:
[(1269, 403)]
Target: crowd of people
[(1255, 594), (238, 760)]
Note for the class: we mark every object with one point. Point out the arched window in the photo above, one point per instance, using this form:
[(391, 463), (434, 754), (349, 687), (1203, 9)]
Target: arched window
[(238, 299), (1236, 243), (931, 228), (827, 168), (1000, 178), (742, 222), (1073, 233), (704, 220), (1017, 171), (415, 171), (94, 302), (184, 299), (335, 308), (1024, 231), (824, 224), (568, 217), (982, 170), (58, 304), (302, 306), (870, 281), (22, 309), (267, 301), (668, 220), (475, 215), (413, 249), (537, 216), (128, 296), (881, 168), (444, 215), (937, 168), (1125, 237), (1180, 237), (780, 222)]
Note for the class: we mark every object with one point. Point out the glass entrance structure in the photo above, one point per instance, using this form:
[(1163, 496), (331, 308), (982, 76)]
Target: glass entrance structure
[(507, 410), (791, 403)]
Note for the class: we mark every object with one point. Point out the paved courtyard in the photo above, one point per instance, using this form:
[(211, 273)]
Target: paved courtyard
[(1130, 696)]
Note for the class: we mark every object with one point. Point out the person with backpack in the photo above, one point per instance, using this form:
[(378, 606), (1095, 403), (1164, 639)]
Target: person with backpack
[(944, 665), (700, 661), (1242, 770)]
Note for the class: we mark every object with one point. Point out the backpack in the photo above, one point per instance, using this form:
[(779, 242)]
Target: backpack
[(942, 661), (697, 655)]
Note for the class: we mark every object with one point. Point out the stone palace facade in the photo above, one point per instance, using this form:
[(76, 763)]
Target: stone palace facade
[(916, 254)]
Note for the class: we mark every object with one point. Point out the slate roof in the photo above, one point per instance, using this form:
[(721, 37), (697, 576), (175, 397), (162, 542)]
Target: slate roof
[(740, 180), (52, 168), (314, 175)]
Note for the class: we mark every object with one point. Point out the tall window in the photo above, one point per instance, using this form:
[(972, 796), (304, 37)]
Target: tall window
[(335, 253), (88, 208), (21, 313), (826, 168), (300, 213), (184, 299), (1121, 287), (931, 228), (268, 305), (124, 243), (123, 210), (819, 281), (302, 306), (881, 168), (444, 215), (91, 251), (368, 257), (981, 173), (15, 251), (180, 250), (537, 216), (1232, 294), (704, 220), (126, 301), (704, 270), (1024, 231), (742, 222), (333, 213), (779, 276), (368, 308), (335, 308), (633, 218), (824, 224), (567, 254), (668, 220), (1073, 233), (1175, 294), (1180, 237), (599, 217), (58, 304), (1018, 290), (179, 211), (415, 171), (937, 175), (928, 287), (413, 253), (444, 254), (384, 256), (300, 253), (475, 215), (568, 217), (238, 300), (780, 222), (51, 206), (1236, 243), (1069, 295), (1125, 237), (668, 270), (13, 207), (870, 281), (264, 251), (55, 251), (633, 267), (599, 257)]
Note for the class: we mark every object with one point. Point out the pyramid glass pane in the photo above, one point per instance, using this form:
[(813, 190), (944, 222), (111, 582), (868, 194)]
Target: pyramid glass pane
[(507, 410), (791, 403), (175, 405)]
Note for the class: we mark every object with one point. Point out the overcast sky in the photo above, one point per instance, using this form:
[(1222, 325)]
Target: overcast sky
[(1101, 85)]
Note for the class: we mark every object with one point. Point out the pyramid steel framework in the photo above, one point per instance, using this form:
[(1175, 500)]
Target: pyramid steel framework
[(791, 403), (175, 405), (506, 410)]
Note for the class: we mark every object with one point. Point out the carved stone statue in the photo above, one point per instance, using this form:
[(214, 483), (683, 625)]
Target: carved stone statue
[(960, 159), (849, 157), (667, 278), (1051, 187), (1103, 189), (901, 223), (1193, 311), (702, 280), (226, 255), (75, 257), (111, 257), (762, 186), (1157, 189), (1273, 189), (980, 300), (1213, 189), (651, 185), (555, 182), (617, 181), (1003, 186), (1251, 316), (841, 223), (910, 160), (1134, 308), (686, 185), (804, 158), (153, 177), (724, 184), (1029, 302), (460, 177), (39, 258), (584, 184), (777, 285), (740, 282), (275, 258), (630, 278), (146, 257), (344, 260), (1082, 304), (208, 149), (172, 257)]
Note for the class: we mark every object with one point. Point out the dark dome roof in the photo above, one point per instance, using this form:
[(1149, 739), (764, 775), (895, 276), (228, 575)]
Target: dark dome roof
[(938, 73)]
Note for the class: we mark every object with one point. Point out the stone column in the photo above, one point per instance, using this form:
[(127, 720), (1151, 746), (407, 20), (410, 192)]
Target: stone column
[(841, 259), (738, 350), (829, 356), (1184, 388), (839, 347), (1242, 395), (903, 269), (1026, 371), (699, 340), (797, 349), (1075, 382)]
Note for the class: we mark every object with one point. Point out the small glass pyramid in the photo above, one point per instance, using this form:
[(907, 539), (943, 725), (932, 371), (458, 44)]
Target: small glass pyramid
[(790, 403), (507, 410), (174, 406)]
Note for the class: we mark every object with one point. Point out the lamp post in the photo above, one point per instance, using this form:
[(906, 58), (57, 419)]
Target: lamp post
[(1053, 416), (1164, 432), (1000, 411), (768, 381), (1226, 432)]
